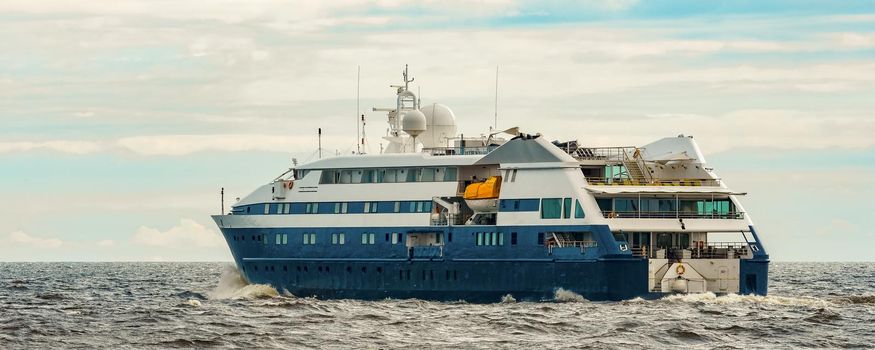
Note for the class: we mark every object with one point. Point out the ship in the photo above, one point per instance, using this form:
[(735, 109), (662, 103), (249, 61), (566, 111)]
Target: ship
[(441, 216)]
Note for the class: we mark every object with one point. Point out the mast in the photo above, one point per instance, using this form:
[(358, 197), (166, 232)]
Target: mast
[(495, 126), (358, 110)]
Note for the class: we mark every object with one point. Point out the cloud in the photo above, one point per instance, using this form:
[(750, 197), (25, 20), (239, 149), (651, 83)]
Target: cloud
[(187, 234), (105, 243), (63, 146), (177, 145), (24, 240)]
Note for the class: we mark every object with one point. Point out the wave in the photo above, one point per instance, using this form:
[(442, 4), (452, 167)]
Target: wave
[(857, 299), (711, 298), (565, 296), (232, 285)]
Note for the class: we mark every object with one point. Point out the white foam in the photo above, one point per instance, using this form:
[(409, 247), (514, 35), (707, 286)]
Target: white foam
[(232, 285), (192, 302), (565, 296), (507, 298)]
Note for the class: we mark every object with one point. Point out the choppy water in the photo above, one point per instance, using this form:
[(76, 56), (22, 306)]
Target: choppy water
[(205, 305)]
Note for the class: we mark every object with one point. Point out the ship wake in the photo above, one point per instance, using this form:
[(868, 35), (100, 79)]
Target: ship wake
[(233, 286)]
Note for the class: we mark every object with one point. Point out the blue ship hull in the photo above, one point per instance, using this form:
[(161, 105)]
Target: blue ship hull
[(460, 270)]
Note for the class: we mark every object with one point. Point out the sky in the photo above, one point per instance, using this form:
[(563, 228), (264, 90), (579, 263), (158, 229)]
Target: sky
[(121, 120)]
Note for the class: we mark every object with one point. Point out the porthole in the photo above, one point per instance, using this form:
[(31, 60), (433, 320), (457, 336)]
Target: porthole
[(364, 269), (379, 270)]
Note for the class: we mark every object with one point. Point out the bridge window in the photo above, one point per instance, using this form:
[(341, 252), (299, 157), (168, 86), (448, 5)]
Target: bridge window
[(578, 210), (551, 208), (267, 208), (566, 208), (328, 177)]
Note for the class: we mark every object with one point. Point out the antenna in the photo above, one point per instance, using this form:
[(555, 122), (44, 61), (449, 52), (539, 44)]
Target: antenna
[(496, 98), (358, 110), (223, 201), (320, 143), (363, 134)]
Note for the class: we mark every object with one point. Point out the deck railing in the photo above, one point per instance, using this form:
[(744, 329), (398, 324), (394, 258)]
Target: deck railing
[(610, 214), (710, 250), (602, 181)]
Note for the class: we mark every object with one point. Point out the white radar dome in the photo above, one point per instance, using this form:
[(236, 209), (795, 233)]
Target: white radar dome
[(440, 125), (414, 123)]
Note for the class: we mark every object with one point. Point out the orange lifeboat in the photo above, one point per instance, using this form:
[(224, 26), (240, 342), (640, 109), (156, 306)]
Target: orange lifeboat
[(483, 196)]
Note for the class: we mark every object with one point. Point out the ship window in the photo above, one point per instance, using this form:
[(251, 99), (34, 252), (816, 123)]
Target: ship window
[(402, 175), (449, 236), (312, 208), (345, 176), (286, 208), (337, 208), (247, 209), (501, 238), (342, 238), (540, 238), (333, 238), (551, 208), (513, 238), (357, 176), (344, 207), (367, 176), (451, 174), (285, 238), (309, 238), (413, 174), (413, 208), (566, 208), (371, 238), (578, 210), (279, 239), (267, 208), (428, 174), (397, 207), (513, 177), (479, 238), (390, 175), (327, 177), (367, 207), (364, 238), (395, 237)]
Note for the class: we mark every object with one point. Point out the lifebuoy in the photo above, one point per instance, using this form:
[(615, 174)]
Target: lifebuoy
[(680, 269)]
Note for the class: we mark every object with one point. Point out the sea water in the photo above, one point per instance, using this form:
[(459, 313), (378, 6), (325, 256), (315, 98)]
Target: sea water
[(209, 305)]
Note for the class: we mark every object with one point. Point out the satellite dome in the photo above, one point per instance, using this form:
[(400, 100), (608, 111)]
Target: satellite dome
[(414, 123), (440, 124)]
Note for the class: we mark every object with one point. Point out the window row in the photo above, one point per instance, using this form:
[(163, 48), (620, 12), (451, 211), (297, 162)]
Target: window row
[(560, 208), (337, 208), (697, 206), (390, 175), (403, 275)]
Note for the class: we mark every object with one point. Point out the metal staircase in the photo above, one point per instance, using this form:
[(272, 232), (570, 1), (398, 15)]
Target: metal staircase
[(635, 167)]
